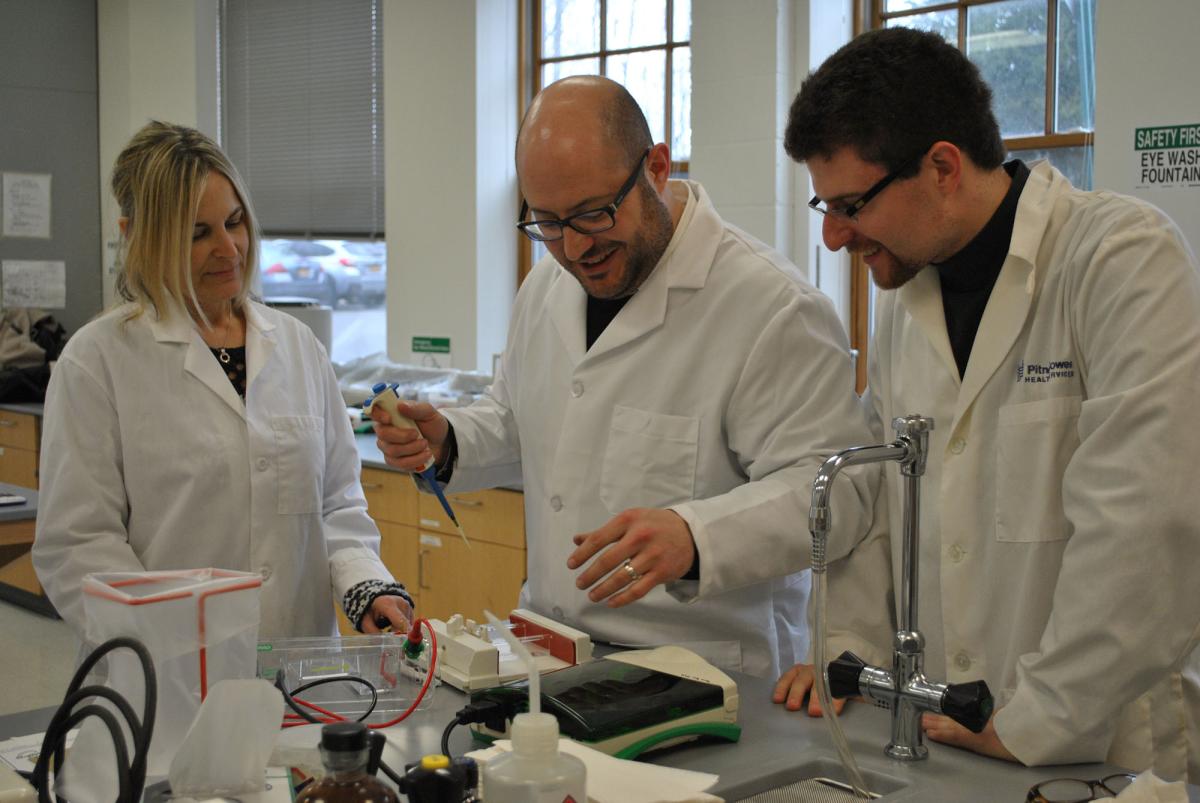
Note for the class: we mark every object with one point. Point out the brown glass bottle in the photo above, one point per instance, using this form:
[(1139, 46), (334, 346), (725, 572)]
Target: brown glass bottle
[(344, 748)]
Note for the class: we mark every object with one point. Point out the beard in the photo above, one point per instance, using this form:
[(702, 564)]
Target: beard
[(644, 251)]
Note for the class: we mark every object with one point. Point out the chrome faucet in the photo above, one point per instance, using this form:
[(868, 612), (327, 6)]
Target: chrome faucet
[(904, 689)]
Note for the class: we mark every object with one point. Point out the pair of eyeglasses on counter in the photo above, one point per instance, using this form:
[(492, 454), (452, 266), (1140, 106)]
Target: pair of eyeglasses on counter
[(1074, 790)]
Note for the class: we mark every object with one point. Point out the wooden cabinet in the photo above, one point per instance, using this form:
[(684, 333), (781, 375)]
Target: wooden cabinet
[(424, 551), (19, 449)]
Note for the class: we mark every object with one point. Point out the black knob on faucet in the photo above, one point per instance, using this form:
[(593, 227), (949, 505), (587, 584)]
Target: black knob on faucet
[(844, 672), (968, 704)]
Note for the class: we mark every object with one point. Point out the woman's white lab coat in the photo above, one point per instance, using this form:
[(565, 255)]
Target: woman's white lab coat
[(1060, 514), (150, 460), (717, 391)]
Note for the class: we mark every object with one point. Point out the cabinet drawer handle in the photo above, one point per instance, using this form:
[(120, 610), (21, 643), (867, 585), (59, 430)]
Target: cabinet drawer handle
[(459, 502), (4, 422), (372, 486)]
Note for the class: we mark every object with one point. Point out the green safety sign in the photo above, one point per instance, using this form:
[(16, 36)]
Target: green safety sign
[(431, 345), (1167, 136)]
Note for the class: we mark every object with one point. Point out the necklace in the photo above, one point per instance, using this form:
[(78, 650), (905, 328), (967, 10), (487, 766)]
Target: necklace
[(222, 354)]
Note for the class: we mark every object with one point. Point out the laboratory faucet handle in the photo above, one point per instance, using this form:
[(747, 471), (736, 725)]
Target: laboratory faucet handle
[(844, 673), (969, 704), (912, 426)]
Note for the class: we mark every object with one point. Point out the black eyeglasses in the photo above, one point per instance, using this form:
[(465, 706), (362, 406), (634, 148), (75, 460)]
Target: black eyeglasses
[(1073, 790), (851, 210), (593, 221)]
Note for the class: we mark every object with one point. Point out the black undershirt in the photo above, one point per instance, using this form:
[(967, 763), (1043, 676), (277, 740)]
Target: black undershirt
[(600, 313), (968, 277)]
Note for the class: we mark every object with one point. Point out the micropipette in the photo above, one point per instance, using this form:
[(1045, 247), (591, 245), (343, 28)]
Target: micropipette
[(385, 396)]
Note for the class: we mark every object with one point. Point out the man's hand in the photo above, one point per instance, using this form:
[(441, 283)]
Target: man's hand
[(635, 551), (388, 610), (409, 449), (797, 682), (945, 730)]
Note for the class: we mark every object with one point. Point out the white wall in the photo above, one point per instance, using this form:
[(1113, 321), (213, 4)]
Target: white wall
[(748, 59), (157, 60), (449, 123), (1146, 68)]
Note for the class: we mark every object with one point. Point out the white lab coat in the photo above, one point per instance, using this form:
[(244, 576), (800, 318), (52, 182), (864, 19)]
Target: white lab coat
[(150, 460), (1060, 513), (716, 391)]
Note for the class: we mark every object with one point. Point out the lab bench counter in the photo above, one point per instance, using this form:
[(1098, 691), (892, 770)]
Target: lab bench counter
[(776, 747), (18, 582)]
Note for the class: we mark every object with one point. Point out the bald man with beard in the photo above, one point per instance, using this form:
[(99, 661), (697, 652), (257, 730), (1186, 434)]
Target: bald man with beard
[(669, 387)]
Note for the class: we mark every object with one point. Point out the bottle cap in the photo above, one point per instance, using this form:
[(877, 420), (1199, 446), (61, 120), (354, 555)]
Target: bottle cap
[(343, 737), (535, 734)]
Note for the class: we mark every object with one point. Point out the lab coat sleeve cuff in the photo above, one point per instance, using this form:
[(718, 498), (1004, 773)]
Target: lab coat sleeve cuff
[(1037, 739), (685, 590), (350, 566)]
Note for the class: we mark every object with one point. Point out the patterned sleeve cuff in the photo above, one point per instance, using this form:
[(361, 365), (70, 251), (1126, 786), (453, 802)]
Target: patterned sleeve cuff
[(358, 599)]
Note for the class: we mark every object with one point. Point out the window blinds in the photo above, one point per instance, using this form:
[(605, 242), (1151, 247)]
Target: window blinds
[(302, 112)]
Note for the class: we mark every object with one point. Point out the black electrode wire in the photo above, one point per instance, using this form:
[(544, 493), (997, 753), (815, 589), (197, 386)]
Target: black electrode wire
[(446, 737), (131, 776), (295, 706)]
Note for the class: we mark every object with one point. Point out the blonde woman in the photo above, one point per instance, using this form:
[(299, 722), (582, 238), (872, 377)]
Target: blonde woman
[(192, 426)]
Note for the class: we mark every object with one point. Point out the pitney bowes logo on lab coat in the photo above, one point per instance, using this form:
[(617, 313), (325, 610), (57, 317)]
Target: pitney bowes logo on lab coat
[(1034, 372)]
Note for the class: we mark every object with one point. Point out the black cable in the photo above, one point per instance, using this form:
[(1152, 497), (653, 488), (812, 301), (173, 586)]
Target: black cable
[(287, 695), (131, 775), (446, 736)]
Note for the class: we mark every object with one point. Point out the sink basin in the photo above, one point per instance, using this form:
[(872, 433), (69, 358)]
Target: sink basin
[(818, 780)]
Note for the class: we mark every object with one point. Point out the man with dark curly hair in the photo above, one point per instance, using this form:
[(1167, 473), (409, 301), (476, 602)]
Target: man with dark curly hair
[(1054, 336)]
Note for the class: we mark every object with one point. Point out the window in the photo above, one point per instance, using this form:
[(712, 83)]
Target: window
[(642, 44), (1038, 56), (301, 105)]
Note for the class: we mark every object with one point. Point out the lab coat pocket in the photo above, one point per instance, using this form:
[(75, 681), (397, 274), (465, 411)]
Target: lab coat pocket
[(300, 462), (1036, 439), (650, 459)]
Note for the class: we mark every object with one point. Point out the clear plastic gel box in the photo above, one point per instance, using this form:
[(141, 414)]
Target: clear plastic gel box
[(379, 660)]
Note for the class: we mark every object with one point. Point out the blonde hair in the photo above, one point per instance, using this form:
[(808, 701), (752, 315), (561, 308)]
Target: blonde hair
[(158, 180)]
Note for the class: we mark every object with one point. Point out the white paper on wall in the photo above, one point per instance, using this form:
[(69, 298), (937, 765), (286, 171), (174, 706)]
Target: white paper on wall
[(26, 205), (29, 283)]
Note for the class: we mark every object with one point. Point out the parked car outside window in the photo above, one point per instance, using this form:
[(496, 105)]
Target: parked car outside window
[(349, 272), (293, 269)]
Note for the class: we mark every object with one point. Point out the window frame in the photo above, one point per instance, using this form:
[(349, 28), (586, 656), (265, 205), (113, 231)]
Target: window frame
[(530, 80)]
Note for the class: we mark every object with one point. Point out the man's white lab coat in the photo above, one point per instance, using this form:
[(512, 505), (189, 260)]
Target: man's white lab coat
[(717, 391), (1060, 512), (150, 460)]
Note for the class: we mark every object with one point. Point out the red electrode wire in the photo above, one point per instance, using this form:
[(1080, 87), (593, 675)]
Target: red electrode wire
[(295, 720)]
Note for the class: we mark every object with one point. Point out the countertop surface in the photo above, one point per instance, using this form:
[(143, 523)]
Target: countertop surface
[(776, 747), (22, 512)]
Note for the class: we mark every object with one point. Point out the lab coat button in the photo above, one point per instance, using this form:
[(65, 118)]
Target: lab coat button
[(555, 504), (956, 553), (262, 463), (957, 445), (962, 661), (577, 389), (265, 571), (558, 613)]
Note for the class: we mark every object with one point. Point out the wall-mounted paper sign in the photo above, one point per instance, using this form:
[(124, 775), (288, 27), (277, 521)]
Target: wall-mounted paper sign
[(26, 205), (28, 283)]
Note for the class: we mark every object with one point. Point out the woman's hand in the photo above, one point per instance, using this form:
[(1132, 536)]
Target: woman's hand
[(387, 611)]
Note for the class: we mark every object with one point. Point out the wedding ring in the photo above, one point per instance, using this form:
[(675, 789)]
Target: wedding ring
[(634, 574)]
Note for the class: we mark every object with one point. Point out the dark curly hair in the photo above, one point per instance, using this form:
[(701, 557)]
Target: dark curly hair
[(890, 94)]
